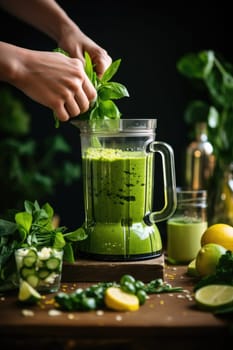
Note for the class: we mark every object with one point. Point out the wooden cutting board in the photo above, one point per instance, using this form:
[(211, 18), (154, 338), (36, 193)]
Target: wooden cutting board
[(84, 270)]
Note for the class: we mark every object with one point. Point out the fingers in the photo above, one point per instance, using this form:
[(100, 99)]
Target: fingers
[(102, 62), (76, 101)]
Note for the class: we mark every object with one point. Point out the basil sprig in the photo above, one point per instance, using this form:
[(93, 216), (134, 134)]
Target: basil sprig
[(103, 107), (32, 227)]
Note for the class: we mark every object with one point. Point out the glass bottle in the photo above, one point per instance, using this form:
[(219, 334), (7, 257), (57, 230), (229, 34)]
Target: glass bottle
[(200, 160), (220, 195)]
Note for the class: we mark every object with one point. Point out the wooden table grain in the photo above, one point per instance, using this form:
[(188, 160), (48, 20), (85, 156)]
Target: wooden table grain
[(170, 320)]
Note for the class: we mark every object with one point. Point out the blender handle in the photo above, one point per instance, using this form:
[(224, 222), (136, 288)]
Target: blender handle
[(169, 179)]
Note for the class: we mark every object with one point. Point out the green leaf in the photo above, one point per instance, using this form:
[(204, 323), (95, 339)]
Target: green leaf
[(111, 71), (196, 111), (88, 66), (7, 227), (108, 109), (68, 253), (29, 206), (196, 66), (24, 222), (77, 235), (59, 241), (112, 90), (95, 113)]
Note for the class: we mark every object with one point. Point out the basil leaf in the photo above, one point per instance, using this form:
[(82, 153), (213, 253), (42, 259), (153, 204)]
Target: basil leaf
[(112, 90), (108, 109), (88, 66), (111, 71)]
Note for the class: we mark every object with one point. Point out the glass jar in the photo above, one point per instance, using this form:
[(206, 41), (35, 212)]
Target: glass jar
[(42, 269)]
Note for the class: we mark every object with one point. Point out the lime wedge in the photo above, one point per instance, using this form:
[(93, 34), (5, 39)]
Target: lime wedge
[(117, 299), (214, 296), (27, 294), (191, 269)]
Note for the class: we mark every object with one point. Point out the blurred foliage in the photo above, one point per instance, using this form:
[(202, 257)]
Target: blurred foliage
[(213, 76), (29, 169)]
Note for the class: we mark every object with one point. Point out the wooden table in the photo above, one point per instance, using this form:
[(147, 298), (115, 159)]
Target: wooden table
[(167, 320)]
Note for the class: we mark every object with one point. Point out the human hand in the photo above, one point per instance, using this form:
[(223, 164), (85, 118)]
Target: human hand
[(54, 80), (75, 42)]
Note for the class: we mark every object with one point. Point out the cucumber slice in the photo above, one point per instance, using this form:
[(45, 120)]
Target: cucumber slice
[(53, 263), (43, 273), (29, 260), (27, 294), (27, 271), (33, 280)]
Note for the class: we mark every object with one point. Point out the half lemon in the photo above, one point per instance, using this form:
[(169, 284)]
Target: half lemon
[(117, 299)]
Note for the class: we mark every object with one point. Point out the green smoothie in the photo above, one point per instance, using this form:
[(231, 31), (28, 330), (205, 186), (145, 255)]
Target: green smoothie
[(184, 239), (118, 188)]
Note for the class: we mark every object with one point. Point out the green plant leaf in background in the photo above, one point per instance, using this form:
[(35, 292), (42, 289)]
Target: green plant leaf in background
[(29, 169), (196, 65), (216, 74)]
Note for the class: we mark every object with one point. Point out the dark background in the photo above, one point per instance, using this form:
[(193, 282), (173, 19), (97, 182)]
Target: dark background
[(149, 37)]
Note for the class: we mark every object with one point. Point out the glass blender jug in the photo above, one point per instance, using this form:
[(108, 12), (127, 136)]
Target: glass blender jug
[(118, 184)]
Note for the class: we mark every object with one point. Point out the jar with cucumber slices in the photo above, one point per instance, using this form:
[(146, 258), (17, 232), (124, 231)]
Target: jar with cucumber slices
[(42, 269)]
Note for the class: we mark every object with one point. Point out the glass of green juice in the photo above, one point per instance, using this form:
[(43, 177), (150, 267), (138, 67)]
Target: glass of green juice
[(186, 226), (118, 181)]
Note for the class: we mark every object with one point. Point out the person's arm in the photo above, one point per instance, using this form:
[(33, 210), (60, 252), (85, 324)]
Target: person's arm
[(50, 18), (50, 78)]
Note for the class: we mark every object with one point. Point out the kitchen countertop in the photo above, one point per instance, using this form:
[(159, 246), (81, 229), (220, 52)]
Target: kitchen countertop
[(164, 319)]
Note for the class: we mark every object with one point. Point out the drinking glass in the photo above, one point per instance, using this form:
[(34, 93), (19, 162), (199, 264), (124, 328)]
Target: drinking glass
[(186, 226), (42, 269)]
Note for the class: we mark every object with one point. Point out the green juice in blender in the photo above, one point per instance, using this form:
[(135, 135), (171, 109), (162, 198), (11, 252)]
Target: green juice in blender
[(118, 193)]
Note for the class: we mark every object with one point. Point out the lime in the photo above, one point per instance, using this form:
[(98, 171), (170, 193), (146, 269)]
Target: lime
[(214, 296), (27, 294), (191, 269), (117, 299), (207, 258), (220, 234)]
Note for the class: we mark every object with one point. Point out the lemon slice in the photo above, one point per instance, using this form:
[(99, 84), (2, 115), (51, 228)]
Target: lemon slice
[(117, 299), (214, 296), (27, 294)]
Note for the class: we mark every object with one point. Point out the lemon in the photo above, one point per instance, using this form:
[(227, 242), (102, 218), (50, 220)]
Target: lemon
[(117, 299), (191, 269), (214, 296), (207, 258), (27, 294), (220, 234)]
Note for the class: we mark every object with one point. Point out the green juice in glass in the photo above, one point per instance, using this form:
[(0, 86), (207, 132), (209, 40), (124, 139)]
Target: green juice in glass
[(118, 189), (184, 239)]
